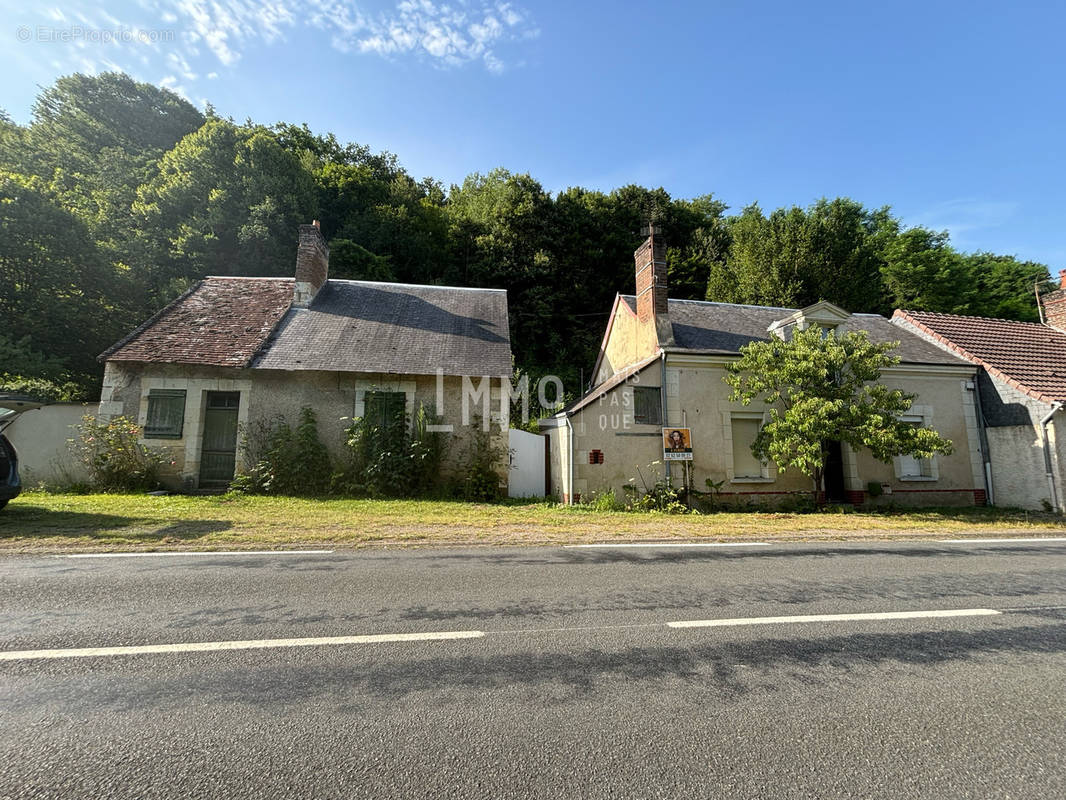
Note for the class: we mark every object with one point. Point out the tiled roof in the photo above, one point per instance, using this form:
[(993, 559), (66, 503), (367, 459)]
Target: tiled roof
[(351, 326), (361, 326), (723, 328), (219, 322), (1027, 355)]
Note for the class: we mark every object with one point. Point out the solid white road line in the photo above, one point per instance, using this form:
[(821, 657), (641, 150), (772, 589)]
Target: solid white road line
[(251, 644), (660, 545), (723, 623), (1004, 541), (202, 553)]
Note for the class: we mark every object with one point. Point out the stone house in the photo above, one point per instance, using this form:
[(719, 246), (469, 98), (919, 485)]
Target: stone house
[(661, 365), (233, 352), (1022, 390)]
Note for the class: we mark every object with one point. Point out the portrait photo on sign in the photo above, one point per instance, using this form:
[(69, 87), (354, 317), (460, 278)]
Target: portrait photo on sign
[(677, 443)]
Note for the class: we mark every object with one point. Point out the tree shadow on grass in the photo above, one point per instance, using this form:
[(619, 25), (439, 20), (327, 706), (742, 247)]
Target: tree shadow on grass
[(38, 523)]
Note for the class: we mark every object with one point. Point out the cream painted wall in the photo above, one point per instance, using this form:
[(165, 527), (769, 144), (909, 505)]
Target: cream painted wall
[(698, 398), (628, 342)]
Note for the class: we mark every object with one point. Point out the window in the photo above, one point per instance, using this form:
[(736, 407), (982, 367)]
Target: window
[(166, 414), (909, 468), (383, 409), (647, 405), (745, 464)]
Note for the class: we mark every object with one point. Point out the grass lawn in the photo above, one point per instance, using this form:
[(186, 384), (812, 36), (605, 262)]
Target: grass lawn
[(38, 521)]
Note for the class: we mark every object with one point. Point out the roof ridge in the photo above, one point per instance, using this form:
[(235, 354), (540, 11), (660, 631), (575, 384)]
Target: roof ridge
[(1041, 325), (415, 285), (247, 278)]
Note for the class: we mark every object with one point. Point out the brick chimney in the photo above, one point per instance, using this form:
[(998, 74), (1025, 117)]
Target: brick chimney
[(652, 306), (312, 265), (1055, 304)]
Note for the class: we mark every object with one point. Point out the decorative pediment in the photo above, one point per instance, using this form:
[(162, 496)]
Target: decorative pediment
[(822, 314)]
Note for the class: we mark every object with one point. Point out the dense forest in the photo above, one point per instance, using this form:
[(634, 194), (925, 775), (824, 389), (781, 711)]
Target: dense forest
[(118, 194)]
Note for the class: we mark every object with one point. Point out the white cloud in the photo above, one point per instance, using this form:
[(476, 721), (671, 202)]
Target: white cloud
[(189, 40), (964, 216), (447, 35)]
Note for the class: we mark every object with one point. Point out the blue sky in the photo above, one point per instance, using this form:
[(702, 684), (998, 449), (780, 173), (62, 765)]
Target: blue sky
[(953, 113)]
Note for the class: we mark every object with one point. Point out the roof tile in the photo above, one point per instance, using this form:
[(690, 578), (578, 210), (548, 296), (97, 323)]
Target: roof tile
[(219, 322), (1029, 354)]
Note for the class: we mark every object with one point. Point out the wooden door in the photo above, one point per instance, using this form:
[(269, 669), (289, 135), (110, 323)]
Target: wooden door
[(218, 456)]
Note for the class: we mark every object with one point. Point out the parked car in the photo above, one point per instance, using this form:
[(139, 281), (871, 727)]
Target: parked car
[(10, 408)]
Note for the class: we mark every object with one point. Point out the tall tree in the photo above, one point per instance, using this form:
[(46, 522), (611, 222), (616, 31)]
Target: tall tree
[(1005, 287), (795, 257), (57, 292), (922, 271), (224, 201), (820, 388)]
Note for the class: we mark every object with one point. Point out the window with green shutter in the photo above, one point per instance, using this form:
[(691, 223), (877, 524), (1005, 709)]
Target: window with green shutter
[(647, 405), (166, 414), (385, 409)]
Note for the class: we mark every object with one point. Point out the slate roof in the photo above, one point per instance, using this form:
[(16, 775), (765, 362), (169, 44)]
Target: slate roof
[(1029, 356), (219, 322), (723, 328), (361, 326), (351, 326)]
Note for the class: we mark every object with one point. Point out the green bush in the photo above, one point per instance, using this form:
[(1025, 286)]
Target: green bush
[(43, 390), (481, 481), (606, 500), (392, 458), (285, 460), (114, 456), (660, 496)]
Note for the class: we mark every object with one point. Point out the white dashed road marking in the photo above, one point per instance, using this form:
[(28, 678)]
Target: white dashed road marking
[(250, 644), (202, 553), (724, 623), (661, 545), (1005, 541)]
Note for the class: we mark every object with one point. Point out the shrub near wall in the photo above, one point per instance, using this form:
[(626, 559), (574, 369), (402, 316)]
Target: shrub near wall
[(388, 457), (114, 456), (285, 460)]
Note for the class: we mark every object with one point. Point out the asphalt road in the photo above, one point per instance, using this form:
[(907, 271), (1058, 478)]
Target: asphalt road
[(570, 681)]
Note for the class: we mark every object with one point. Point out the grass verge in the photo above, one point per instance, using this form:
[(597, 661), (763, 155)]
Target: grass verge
[(39, 521)]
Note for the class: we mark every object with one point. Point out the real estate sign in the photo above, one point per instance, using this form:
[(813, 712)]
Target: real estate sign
[(677, 444)]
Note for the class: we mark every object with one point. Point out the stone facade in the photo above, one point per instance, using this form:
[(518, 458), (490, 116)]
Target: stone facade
[(267, 395)]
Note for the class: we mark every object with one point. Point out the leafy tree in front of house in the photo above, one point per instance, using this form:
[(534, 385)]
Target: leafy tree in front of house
[(823, 387)]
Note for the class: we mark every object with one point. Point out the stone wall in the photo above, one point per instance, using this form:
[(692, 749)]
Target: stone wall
[(267, 395)]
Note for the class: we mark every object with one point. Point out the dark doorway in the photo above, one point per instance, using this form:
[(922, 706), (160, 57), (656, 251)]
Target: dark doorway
[(834, 473), (219, 454)]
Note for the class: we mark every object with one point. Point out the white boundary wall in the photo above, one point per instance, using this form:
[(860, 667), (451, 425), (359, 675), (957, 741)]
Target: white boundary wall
[(40, 439), (526, 478)]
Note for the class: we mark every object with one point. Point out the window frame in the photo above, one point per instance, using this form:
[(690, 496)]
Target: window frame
[(657, 417), (918, 420), (765, 475), (368, 401), (160, 395)]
